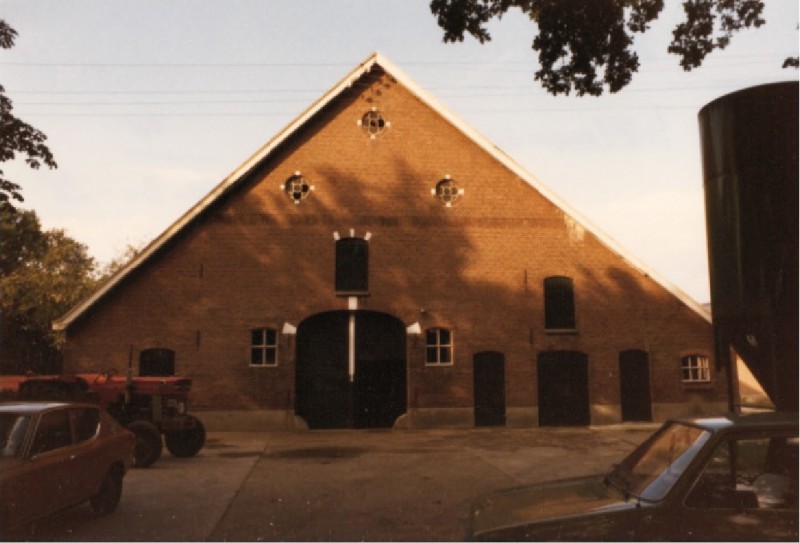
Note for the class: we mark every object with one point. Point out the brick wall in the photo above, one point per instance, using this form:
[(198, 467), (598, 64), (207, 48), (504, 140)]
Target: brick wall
[(256, 259)]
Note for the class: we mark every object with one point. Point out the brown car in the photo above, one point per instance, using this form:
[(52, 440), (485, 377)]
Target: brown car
[(56, 454)]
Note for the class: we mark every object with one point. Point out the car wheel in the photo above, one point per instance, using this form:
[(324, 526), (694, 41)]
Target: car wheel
[(186, 443), (148, 443), (107, 499)]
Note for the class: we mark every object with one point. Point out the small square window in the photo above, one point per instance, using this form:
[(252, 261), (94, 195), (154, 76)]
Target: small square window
[(438, 347), (264, 347), (695, 369)]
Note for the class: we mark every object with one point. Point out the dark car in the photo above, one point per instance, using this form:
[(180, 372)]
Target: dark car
[(56, 454), (732, 478)]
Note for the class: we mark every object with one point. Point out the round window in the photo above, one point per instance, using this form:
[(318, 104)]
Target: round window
[(297, 188), (373, 123), (447, 191)]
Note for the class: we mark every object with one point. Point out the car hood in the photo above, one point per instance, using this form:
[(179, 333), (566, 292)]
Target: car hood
[(543, 502)]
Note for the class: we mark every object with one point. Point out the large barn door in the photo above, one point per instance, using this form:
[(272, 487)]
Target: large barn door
[(634, 386), (563, 388), (380, 381), (325, 396), (489, 388), (322, 390)]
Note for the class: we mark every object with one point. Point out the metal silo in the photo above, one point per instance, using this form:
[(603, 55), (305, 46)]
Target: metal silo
[(750, 167)]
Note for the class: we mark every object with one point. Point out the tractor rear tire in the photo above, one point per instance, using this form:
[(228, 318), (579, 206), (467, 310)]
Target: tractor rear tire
[(148, 443), (186, 443), (107, 498)]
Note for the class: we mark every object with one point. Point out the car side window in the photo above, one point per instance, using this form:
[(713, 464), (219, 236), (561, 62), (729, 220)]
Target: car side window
[(13, 429), (52, 432), (749, 474), (86, 422), (776, 484)]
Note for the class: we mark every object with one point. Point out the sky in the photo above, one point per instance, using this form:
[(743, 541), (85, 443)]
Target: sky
[(149, 104)]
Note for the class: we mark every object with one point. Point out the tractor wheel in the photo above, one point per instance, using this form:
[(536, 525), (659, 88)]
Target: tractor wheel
[(107, 499), (186, 443), (148, 443)]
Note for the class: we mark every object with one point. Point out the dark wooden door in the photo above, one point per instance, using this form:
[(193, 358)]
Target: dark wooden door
[(325, 396), (489, 388), (563, 388), (634, 386)]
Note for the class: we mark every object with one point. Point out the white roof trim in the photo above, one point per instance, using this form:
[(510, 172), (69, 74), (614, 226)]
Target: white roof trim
[(336, 90)]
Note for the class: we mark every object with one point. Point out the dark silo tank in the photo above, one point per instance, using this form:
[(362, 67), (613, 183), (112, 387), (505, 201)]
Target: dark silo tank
[(750, 167)]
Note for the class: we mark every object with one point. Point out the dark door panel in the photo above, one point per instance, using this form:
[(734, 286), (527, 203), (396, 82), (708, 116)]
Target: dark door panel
[(634, 386), (489, 386), (563, 388)]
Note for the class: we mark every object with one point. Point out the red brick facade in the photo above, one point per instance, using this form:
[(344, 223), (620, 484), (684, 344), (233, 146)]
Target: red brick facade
[(254, 258)]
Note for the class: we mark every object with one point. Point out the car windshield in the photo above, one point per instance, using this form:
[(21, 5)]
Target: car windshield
[(13, 427), (651, 470)]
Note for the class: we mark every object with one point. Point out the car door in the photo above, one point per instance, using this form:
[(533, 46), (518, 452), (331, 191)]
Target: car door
[(88, 466), (746, 492), (44, 483)]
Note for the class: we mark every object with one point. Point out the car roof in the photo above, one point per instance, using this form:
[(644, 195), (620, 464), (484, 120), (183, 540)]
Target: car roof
[(744, 421), (37, 407)]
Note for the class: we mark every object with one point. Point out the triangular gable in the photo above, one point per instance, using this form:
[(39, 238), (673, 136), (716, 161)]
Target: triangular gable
[(344, 84)]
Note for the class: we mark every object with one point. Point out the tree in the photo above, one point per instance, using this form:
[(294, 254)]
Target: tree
[(17, 136), (42, 275), (111, 268), (586, 45)]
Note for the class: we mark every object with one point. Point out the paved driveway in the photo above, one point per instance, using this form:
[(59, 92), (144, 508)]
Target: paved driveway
[(386, 485)]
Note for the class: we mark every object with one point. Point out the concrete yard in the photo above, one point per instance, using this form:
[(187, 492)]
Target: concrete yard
[(337, 485)]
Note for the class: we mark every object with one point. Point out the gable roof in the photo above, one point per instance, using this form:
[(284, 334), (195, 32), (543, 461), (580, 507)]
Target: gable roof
[(375, 59)]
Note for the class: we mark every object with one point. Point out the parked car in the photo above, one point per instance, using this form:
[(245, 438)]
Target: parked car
[(732, 478), (57, 454)]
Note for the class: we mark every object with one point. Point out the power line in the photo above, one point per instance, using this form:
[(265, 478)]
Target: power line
[(524, 91), (466, 96), (434, 63), (289, 114)]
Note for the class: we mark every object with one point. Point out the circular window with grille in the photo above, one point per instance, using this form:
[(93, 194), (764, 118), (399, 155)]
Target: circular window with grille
[(447, 191), (373, 123), (297, 188)]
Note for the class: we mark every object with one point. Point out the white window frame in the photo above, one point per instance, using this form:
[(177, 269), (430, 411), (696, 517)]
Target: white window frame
[(264, 347), (695, 368), (439, 347)]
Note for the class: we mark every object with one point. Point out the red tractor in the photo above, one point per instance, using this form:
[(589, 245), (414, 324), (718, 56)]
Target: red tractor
[(147, 406)]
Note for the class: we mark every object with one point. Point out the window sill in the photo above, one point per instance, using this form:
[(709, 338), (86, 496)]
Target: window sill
[(354, 293), (263, 365), (561, 331), (697, 385)]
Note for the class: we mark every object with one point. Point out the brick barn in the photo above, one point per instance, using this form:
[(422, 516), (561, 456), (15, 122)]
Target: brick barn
[(380, 264)]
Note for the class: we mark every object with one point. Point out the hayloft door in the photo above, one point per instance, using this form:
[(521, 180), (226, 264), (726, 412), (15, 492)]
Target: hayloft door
[(489, 388), (634, 386), (563, 388), (324, 394)]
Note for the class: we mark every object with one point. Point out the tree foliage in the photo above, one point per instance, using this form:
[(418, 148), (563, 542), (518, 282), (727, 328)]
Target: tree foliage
[(42, 275), (17, 136), (586, 46)]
